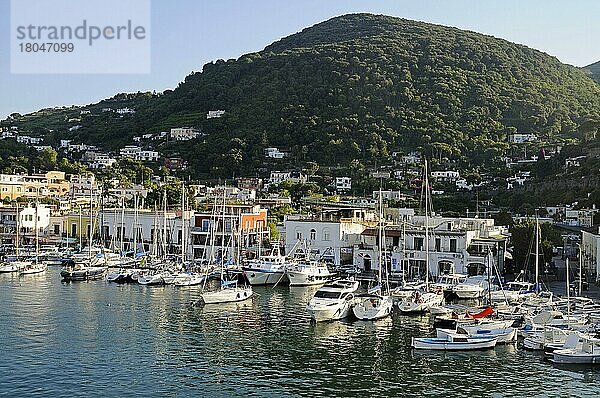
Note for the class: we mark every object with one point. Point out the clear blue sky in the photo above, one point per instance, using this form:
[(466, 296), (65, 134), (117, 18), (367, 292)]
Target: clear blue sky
[(186, 34)]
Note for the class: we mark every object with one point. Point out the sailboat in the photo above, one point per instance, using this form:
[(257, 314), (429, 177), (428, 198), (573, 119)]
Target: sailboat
[(421, 301), (35, 267), (16, 265), (229, 290), (378, 302), (87, 270)]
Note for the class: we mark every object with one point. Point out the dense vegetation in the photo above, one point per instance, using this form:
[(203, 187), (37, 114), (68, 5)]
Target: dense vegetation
[(594, 71), (356, 87)]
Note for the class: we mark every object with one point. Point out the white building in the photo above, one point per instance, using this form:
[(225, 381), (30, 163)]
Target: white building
[(343, 183), (388, 195), (521, 138), (580, 218), (331, 235), (574, 162), (125, 111), (130, 151), (27, 218), (147, 156), (184, 133), (455, 245), (277, 177), (590, 252), (83, 186), (214, 114), (65, 143), (447, 175), (274, 153)]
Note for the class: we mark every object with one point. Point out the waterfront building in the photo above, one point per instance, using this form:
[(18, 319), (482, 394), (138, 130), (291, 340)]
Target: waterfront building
[(331, 234), (455, 245), (229, 228), (590, 252)]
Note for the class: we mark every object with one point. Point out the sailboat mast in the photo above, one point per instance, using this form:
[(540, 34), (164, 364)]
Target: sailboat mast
[(580, 272), (426, 226), (568, 291), (91, 225), (537, 253), (18, 223), (122, 225), (380, 235), (37, 241)]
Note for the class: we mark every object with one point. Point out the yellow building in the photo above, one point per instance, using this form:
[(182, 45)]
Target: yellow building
[(51, 184)]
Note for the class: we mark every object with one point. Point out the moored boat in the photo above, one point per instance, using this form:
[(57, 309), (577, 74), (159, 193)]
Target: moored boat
[(453, 342), (333, 300)]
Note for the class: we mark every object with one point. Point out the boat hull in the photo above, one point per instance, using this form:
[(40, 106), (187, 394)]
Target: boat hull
[(427, 343), (227, 295), (372, 308), (262, 277), (83, 274)]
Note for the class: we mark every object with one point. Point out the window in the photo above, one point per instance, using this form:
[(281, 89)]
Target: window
[(453, 245), (313, 234), (326, 235), (299, 235), (56, 229), (205, 225), (438, 245), (418, 243), (73, 229)]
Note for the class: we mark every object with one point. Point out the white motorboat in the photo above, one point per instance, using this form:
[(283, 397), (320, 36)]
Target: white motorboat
[(266, 270), (547, 336), (306, 272), (14, 266), (514, 292), (119, 276), (447, 282), (453, 342), (573, 352), (407, 289), (372, 305), (230, 292), (420, 302), (504, 335), (188, 279), (33, 268), (474, 287), (333, 300)]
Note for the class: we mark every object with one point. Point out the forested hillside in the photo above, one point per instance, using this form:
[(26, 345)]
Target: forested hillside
[(357, 86)]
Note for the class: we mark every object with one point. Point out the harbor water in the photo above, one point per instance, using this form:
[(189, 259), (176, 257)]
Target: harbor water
[(93, 339)]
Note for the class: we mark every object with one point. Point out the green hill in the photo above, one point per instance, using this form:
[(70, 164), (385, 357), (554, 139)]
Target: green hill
[(357, 86), (594, 71)]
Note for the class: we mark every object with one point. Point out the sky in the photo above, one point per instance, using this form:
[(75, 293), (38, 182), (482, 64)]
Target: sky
[(186, 34)]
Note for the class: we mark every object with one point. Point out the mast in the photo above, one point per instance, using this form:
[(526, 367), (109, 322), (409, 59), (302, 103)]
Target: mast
[(537, 253), (568, 292), (380, 235), (37, 241), (135, 204), (182, 222), (122, 225), (164, 234), (80, 227), (91, 225), (404, 260), (580, 272), (18, 223), (426, 226)]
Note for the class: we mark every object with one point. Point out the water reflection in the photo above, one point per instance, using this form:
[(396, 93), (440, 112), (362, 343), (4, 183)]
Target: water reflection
[(97, 339)]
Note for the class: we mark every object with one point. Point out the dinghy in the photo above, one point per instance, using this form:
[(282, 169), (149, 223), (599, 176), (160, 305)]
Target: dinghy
[(453, 342)]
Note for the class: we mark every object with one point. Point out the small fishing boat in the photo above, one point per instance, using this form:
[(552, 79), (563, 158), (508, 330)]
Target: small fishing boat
[(120, 276), (587, 352), (333, 300), (453, 342), (230, 292), (306, 273), (504, 335), (266, 270)]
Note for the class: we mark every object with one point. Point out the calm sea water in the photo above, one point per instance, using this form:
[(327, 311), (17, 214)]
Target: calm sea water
[(97, 340)]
